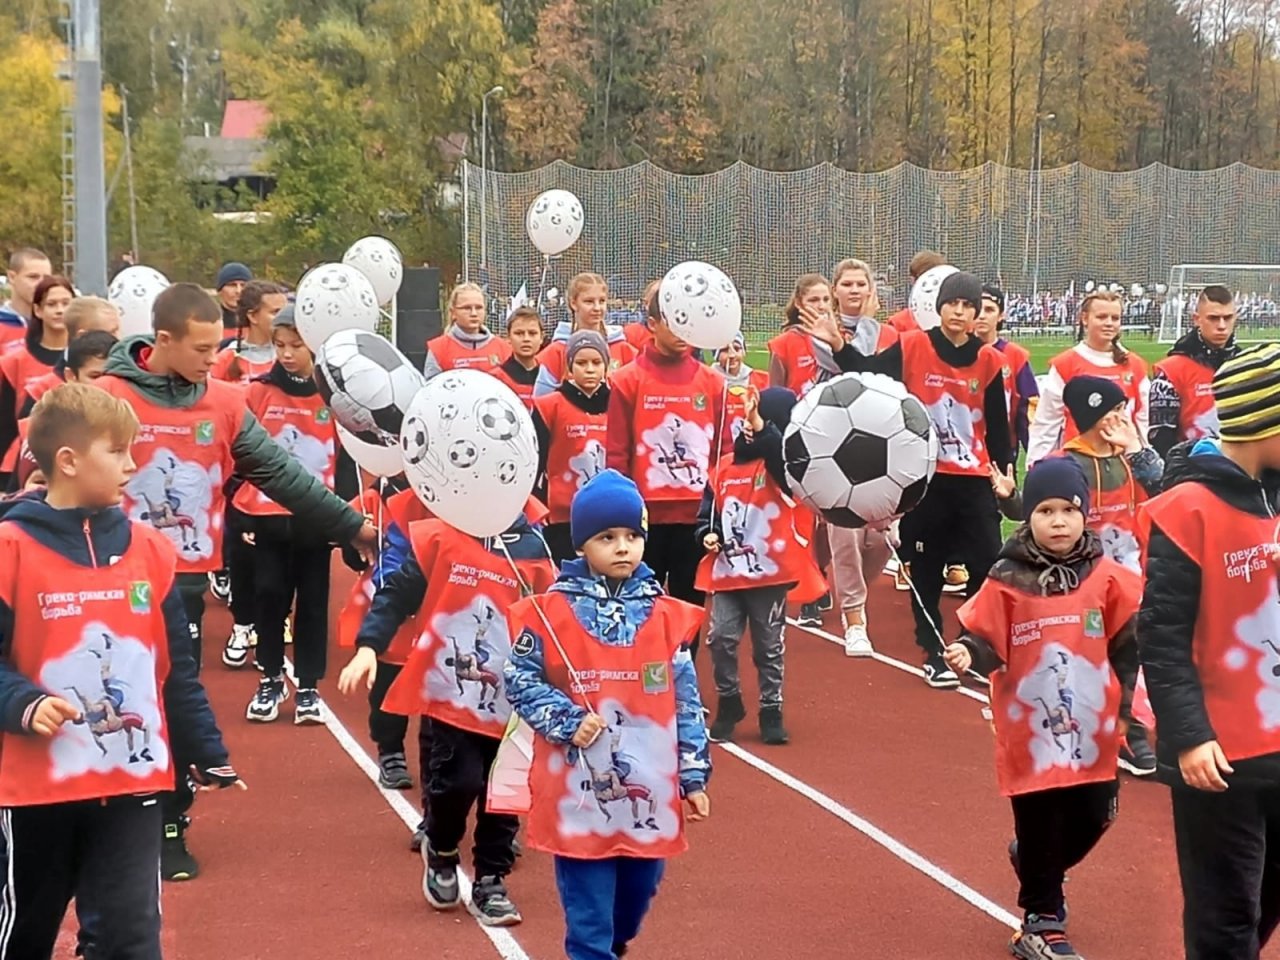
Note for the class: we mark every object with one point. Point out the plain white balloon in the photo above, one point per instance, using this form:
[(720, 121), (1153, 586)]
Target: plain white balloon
[(470, 451), (700, 304), (554, 221), (378, 259), (333, 297), (371, 457), (924, 296), (134, 292)]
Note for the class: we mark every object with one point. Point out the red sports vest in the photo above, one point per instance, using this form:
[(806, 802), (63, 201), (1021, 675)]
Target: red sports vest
[(1128, 378), (522, 390), (1193, 381), (184, 458), (360, 597), (1236, 643), (249, 370), (955, 398), (794, 348), (1056, 703), (1113, 513), (452, 355), (22, 370), (552, 357), (454, 672), (575, 452), (736, 400), (1015, 358), (303, 426), (759, 543), (638, 335), (620, 797), (904, 321), (97, 638)]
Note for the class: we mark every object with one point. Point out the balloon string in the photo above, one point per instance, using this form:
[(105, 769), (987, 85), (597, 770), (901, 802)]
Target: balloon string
[(382, 487), (542, 283)]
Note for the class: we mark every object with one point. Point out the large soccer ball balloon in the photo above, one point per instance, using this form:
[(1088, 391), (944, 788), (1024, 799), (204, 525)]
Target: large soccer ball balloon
[(372, 458), (470, 451), (134, 291), (333, 297), (379, 260), (924, 296), (860, 449), (368, 384), (554, 221), (700, 304)]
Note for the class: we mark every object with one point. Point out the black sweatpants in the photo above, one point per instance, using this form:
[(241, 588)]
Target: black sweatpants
[(559, 542), (1056, 829), (105, 855), (1229, 858), (957, 518), (289, 568), (386, 730), (459, 778), (239, 559)]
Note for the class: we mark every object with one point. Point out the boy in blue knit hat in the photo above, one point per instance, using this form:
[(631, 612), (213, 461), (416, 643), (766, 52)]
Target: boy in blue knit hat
[(600, 669)]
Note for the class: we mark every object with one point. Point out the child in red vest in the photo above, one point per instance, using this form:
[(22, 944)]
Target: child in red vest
[(795, 355), (520, 370), (754, 557), (195, 432), (100, 696), (741, 380), (667, 428), (466, 342), (461, 589), (1208, 630), (1054, 626), (600, 671), (571, 428), (588, 298), (289, 560)]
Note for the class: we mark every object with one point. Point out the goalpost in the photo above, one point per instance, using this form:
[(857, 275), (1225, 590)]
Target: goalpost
[(1255, 286)]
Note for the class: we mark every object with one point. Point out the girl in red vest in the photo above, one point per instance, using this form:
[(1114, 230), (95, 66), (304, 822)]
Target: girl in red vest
[(600, 671), (461, 589), (466, 342), (520, 370), (588, 306), (252, 353), (755, 557), (571, 426), (741, 380), (1098, 354), (795, 357), (24, 362), (958, 379), (667, 427), (1210, 627), (289, 560), (1054, 626)]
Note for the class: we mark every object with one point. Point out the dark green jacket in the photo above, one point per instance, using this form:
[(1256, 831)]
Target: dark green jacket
[(258, 458)]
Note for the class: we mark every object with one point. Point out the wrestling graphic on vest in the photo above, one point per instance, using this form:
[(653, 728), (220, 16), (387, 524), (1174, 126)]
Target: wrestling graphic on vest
[(173, 496), (468, 669), (745, 550), (1063, 696), (954, 421), (678, 454)]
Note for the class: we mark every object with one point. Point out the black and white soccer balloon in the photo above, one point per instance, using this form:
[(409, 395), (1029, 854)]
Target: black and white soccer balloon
[(334, 297), (133, 292), (470, 451), (554, 221), (860, 449), (924, 296), (379, 260), (700, 304)]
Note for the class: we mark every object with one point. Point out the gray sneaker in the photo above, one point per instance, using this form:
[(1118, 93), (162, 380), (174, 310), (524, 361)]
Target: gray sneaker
[(491, 905), (439, 883)]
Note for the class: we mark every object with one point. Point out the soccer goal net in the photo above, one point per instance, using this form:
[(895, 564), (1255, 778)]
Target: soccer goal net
[(1256, 288)]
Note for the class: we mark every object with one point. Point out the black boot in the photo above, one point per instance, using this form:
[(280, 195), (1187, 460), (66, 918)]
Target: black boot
[(729, 713), (771, 729)]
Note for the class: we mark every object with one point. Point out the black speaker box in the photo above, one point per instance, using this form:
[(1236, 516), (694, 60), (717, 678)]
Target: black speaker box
[(418, 313)]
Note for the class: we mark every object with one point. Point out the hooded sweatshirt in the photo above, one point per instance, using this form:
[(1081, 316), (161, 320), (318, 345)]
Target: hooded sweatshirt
[(258, 458), (474, 342), (1166, 402)]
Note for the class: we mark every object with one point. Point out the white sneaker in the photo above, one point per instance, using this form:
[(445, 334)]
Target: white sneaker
[(236, 653), (856, 641)]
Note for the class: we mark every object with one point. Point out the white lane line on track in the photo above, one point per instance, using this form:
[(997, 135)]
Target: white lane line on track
[(501, 938), (876, 835)]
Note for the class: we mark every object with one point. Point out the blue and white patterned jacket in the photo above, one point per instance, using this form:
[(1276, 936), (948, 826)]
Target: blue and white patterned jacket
[(550, 712)]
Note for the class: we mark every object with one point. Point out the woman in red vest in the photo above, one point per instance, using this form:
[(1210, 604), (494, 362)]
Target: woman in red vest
[(25, 362), (794, 355), (1098, 354), (588, 306), (466, 342), (251, 354)]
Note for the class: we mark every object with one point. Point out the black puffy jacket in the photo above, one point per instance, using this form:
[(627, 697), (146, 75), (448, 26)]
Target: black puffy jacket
[(1171, 605)]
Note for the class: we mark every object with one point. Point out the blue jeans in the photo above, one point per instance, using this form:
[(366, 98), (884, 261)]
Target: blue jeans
[(604, 902)]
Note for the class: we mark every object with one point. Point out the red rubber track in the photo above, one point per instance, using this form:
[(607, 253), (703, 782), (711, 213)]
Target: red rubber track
[(313, 863)]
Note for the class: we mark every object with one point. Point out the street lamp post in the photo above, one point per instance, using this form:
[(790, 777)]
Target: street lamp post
[(484, 175), (1040, 121)]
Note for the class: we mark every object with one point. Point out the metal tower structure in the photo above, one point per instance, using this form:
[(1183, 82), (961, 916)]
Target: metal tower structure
[(84, 199), (67, 74)]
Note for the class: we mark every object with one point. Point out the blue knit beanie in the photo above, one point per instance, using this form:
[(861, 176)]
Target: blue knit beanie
[(1055, 477), (605, 501), (776, 404), (231, 273)]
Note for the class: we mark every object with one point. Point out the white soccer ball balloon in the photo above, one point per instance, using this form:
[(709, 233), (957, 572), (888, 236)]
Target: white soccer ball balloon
[(474, 468), (554, 221), (372, 458), (860, 449), (134, 292), (700, 304), (379, 260), (368, 384), (333, 297), (924, 296)]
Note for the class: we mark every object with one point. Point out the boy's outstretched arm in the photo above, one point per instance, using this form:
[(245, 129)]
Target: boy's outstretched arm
[(691, 728), (546, 708), (397, 599), (1166, 630)]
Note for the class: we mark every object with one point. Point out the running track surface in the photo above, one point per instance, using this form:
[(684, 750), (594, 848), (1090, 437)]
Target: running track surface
[(877, 833)]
